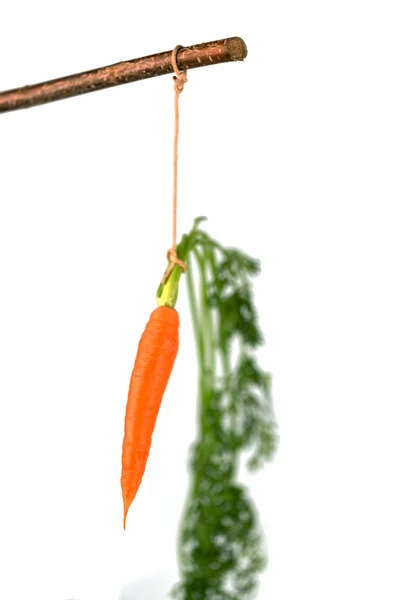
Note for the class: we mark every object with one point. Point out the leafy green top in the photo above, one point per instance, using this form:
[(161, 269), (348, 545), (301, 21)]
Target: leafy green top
[(220, 545)]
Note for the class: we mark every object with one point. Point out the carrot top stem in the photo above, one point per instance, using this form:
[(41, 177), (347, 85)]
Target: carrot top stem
[(167, 293)]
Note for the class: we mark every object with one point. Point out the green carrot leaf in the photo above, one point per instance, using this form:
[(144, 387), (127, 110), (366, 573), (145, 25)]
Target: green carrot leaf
[(220, 547)]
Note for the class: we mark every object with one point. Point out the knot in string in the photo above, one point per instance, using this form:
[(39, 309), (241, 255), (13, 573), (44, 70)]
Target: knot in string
[(172, 256), (179, 82), (180, 78)]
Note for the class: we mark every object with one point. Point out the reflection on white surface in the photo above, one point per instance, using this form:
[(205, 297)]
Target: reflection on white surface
[(156, 587)]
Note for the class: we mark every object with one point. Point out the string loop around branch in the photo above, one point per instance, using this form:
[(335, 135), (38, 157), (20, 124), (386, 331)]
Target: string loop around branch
[(180, 77)]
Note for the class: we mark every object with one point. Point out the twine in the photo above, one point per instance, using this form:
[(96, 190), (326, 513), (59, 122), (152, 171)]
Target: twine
[(180, 78)]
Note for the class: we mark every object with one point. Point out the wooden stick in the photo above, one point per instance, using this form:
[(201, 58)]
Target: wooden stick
[(190, 57)]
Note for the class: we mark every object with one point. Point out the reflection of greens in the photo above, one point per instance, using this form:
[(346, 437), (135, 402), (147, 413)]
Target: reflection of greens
[(220, 544)]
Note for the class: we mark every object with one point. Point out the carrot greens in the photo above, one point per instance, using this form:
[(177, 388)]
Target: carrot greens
[(220, 546)]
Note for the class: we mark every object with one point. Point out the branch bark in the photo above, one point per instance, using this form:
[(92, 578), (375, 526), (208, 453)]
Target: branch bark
[(190, 57)]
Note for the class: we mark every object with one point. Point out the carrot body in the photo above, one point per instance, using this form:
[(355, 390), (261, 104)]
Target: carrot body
[(155, 359)]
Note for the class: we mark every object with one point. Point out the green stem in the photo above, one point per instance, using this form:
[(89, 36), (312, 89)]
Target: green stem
[(167, 293), (194, 312), (207, 373), (224, 350), (199, 342)]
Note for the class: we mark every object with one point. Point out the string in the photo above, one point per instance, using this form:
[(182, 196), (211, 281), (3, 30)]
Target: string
[(180, 78)]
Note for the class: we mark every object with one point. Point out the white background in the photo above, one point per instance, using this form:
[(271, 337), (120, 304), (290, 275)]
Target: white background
[(294, 156)]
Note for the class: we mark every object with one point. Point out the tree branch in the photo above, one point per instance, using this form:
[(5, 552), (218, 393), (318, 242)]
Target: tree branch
[(190, 57)]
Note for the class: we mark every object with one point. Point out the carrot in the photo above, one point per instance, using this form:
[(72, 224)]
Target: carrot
[(155, 359)]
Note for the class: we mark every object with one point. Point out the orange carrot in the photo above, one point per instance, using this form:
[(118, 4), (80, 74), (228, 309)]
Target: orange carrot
[(155, 358)]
